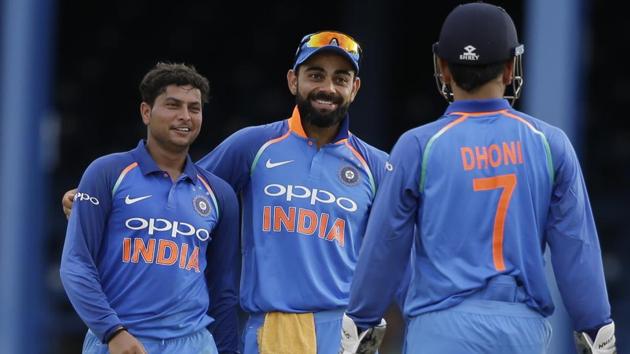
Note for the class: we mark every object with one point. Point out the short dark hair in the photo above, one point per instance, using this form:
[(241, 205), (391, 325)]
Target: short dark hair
[(471, 77), (162, 75)]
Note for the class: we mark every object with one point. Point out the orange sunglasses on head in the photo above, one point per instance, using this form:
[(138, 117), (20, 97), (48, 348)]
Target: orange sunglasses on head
[(326, 38)]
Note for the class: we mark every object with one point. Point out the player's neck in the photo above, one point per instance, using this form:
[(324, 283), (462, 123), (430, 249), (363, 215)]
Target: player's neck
[(488, 91), (322, 136), (168, 160)]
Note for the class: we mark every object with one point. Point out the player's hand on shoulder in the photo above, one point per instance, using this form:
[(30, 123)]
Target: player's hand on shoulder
[(124, 343), (67, 200)]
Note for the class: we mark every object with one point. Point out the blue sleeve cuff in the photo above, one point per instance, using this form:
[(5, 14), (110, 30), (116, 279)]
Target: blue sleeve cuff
[(105, 337)]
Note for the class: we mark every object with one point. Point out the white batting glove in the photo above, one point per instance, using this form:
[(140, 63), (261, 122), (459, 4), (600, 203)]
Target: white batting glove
[(604, 342), (366, 342)]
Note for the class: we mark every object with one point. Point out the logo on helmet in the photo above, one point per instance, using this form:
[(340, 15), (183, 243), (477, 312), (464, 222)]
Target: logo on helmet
[(469, 54)]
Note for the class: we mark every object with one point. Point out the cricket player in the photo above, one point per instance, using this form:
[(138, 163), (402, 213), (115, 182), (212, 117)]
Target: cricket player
[(306, 186), (488, 188), (150, 258)]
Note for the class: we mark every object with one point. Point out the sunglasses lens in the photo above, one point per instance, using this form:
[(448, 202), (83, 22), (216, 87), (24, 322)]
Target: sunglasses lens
[(341, 40)]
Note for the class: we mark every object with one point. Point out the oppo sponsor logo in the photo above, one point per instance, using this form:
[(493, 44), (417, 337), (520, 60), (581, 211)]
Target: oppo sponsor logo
[(176, 228), (85, 197), (314, 195)]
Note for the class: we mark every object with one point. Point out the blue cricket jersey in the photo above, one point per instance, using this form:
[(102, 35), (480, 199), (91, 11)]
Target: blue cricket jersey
[(304, 212), (151, 254), (487, 188)]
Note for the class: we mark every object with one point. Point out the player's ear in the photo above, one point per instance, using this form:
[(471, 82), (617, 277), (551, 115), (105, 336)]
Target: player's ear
[(447, 77), (356, 85), (292, 81), (145, 112), (508, 72)]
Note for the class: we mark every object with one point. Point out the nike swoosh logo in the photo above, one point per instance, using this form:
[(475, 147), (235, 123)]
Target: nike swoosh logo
[(129, 200), (270, 164)]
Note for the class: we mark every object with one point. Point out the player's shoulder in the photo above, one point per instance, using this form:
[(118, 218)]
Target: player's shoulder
[(366, 149), (113, 162), (107, 168), (260, 133), (374, 157), (551, 132), (421, 134)]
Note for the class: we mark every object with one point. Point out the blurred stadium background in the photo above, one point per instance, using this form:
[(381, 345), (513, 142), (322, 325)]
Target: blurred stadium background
[(68, 94)]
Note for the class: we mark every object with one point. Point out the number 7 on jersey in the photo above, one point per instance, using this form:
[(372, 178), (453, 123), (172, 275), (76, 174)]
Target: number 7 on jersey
[(507, 183)]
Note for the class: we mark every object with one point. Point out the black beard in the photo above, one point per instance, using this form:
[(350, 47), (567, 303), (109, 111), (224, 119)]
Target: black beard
[(316, 118)]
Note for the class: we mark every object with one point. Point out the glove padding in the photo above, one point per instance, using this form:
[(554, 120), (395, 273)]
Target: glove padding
[(366, 342), (604, 342)]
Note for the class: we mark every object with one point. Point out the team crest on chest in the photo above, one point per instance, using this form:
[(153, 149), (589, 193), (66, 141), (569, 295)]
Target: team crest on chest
[(349, 175), (202, 205)]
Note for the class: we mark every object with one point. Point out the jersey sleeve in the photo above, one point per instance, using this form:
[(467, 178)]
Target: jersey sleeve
[(572, 237), (385, 253), (232, 159), (222, 272), (401, 292), (84, 234)]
